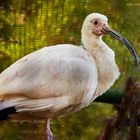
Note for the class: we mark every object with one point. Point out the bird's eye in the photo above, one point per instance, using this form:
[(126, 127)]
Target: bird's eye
[(95, 22)]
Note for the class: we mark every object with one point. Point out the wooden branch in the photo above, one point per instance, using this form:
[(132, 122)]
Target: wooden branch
[(127, 113)]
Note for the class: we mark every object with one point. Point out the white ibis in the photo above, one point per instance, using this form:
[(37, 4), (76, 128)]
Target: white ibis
[(62, 78)]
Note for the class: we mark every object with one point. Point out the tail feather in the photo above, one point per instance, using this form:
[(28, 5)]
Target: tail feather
[(4, 114), (19, 105), (5, 111)]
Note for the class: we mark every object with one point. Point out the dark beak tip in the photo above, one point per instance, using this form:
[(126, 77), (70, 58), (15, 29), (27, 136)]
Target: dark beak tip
[(137, 61), (137, 64)]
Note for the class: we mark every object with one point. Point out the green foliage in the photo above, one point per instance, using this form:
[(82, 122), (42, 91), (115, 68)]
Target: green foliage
[(28, 25)]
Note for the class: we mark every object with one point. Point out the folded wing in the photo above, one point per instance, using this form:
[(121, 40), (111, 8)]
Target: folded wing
[(53, 77)]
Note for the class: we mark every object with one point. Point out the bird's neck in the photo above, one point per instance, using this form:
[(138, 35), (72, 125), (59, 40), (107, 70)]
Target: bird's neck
[(108, 71), (90, 41)]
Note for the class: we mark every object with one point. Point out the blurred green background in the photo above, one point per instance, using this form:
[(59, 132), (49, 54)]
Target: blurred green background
[(28, 25)]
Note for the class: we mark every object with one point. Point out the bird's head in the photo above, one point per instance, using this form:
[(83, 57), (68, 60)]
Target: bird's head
[(96, 25)]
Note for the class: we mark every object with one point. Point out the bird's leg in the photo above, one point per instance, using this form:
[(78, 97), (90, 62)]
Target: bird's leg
[(49, 134)]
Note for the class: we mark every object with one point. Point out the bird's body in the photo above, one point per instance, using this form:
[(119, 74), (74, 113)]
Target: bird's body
[(62, 78), (57, 78), (54, 78)]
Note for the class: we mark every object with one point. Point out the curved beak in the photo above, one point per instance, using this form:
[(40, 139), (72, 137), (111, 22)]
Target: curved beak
[(124, 41)]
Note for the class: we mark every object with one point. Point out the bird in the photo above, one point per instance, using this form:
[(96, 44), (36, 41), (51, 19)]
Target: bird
[(64, 78)]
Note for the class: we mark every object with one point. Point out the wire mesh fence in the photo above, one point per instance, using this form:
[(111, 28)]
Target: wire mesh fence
[(28, 25)]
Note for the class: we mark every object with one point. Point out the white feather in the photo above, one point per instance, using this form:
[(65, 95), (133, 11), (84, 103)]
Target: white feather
[(56, 77)]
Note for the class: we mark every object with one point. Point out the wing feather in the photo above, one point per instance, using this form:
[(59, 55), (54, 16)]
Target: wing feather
[(51, 72)]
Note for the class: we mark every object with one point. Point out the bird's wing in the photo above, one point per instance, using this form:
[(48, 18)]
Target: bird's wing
[(62, 70)]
